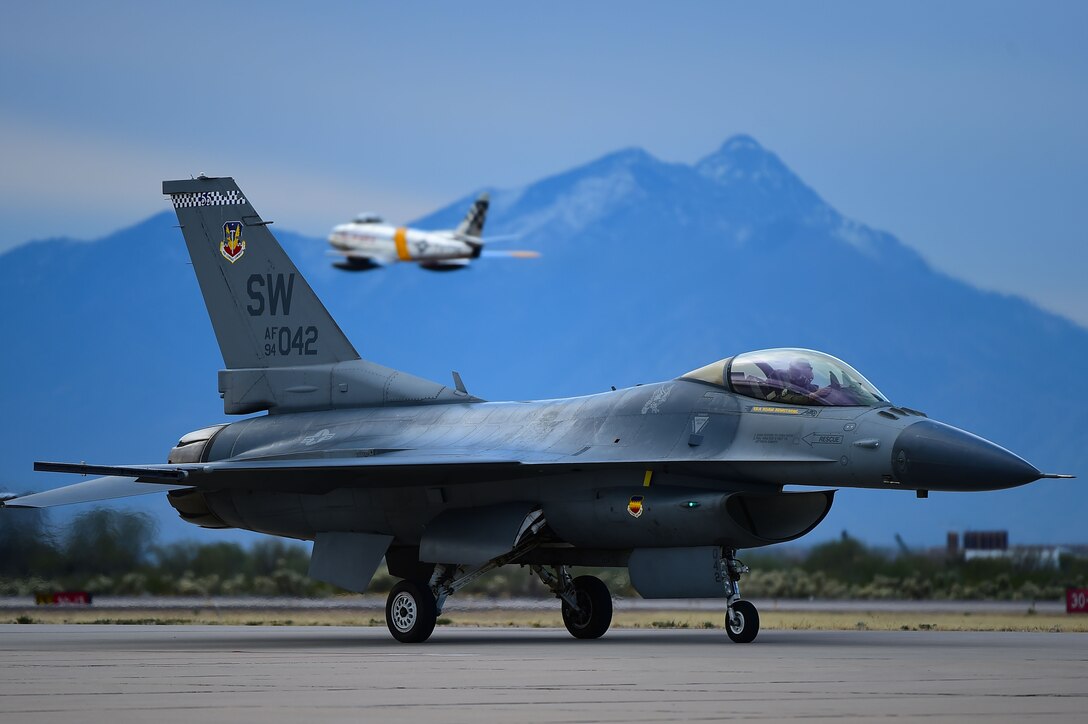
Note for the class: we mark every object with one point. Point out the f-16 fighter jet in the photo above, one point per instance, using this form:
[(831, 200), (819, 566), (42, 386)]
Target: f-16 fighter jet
[(669, 480), (367, 242)]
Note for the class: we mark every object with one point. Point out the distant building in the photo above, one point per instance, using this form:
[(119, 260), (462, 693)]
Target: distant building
[(981, 544), (953, 544), (985, 544)]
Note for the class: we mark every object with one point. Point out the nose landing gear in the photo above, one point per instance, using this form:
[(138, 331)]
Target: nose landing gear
[(741, 617), (742, 622)]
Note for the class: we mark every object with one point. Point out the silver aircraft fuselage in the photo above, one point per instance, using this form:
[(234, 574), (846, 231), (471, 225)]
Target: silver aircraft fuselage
[(683, 432)]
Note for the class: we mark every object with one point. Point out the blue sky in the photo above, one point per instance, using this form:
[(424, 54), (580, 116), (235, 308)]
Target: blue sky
[(961, 128)]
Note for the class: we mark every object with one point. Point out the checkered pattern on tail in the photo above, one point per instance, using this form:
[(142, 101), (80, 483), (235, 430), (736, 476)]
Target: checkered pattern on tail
[(207, 198)]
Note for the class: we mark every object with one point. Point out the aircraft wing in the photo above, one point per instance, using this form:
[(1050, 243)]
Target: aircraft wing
[(362, 469), (356, 262), (314, 475)]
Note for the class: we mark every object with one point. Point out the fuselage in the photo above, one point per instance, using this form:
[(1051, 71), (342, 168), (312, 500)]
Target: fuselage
[(388, 244), (683, 434)]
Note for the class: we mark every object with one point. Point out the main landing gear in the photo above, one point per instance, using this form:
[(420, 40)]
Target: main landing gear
[(741, 617), (587, 604), (412, 608), (410, 612)]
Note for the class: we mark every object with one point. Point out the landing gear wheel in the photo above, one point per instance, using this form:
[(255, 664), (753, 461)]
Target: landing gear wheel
[(742, 622), (410, 612), (594, 613)]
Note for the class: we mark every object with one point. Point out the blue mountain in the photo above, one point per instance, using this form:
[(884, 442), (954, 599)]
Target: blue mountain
[(649, 269)]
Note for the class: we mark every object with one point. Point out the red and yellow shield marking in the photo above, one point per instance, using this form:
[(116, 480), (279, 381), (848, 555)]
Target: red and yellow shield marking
[(233, 245), (634, 506)]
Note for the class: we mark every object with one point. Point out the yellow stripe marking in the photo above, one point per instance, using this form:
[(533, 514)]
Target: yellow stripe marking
[(646, 480), (400, 238)]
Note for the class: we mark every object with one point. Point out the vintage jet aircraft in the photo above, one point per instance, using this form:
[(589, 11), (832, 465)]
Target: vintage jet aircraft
[(367, 242), (668, 479)]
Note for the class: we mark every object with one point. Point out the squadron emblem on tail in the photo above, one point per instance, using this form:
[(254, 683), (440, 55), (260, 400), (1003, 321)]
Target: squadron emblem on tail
[(233, 245)]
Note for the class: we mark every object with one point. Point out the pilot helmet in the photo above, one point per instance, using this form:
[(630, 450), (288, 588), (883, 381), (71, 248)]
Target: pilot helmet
[(801, 369)]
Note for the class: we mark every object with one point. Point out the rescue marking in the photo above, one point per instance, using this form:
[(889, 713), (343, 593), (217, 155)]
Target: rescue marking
[(770, 438), (820, 438), (647, 478)]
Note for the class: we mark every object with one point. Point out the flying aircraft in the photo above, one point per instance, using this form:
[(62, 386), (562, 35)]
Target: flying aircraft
[(367, 242), (669, 479)]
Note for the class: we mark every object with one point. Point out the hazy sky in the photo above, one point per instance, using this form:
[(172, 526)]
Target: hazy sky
[(962, 128)]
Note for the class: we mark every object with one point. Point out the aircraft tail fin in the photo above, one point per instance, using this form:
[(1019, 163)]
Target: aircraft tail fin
[(473, 223), (264, 313), (282, 349)]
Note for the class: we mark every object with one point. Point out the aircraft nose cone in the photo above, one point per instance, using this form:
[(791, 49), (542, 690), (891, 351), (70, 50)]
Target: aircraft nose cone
[(930, 454)]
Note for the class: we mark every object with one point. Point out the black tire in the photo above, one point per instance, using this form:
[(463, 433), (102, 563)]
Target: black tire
[(746, 625), (410, 612), (595, 604)]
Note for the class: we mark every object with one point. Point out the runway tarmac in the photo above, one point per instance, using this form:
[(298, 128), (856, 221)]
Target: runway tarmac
[(376, 602), (165, 674)]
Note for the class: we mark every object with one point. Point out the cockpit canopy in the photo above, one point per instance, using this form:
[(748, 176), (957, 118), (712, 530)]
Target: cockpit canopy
[(367, 217), (792, 377)]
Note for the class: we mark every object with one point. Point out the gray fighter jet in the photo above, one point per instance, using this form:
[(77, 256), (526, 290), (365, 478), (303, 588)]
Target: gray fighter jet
[(668, 479)]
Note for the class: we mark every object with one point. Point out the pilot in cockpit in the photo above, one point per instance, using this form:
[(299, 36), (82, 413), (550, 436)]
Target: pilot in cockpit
[(792, 376), (800, 375), (795, 383)]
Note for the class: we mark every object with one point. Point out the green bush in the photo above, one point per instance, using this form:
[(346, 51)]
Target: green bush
[(115, 553)]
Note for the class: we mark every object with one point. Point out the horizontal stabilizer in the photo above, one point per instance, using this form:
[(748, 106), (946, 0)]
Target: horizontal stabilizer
[(149, 473), (106, 488)]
